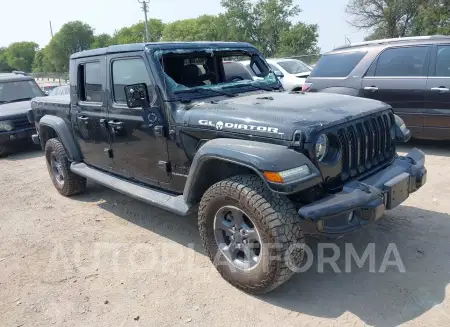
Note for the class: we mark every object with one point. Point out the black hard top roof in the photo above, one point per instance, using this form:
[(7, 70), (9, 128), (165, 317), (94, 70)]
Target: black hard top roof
[(161, 46)]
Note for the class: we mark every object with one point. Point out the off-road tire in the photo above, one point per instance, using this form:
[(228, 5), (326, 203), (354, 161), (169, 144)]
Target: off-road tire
[(276, 220), (73, 184)]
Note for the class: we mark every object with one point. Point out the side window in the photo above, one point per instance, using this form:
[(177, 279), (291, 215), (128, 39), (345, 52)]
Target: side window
[(443, 61), (407, 61), (127, 72), (92, 82)]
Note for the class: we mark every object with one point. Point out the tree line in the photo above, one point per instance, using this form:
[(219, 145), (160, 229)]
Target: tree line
[(400, 18), (265, 23)]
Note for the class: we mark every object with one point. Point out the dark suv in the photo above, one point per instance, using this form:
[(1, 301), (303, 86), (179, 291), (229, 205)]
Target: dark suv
[(411, 74), (16, 91)]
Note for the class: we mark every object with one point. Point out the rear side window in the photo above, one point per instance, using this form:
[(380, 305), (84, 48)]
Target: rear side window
[(443, 61), (90, 82), (337, 64), (407, 61)]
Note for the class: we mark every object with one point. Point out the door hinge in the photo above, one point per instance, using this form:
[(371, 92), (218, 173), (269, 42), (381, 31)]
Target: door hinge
[(165, 165)]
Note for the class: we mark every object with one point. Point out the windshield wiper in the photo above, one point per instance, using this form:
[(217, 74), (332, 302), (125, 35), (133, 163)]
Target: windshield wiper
[(256, 86), (16, 100), (204, 91)]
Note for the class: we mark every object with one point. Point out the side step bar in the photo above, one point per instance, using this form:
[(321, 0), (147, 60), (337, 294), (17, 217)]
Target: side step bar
[(159, 199)]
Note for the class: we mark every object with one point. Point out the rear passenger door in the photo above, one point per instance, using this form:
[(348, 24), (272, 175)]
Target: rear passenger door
[(399, 77), (437, 115), (138, 140), (90, 113)]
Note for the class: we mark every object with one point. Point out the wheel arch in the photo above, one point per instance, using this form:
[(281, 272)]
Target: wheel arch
[(51, 127), (219, 159)]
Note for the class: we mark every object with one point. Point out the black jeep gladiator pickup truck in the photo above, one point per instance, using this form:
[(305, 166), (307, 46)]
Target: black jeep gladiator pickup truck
[(166, 124)]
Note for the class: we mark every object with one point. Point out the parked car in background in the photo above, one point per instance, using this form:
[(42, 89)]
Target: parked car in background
[(412, 74), (291, 72), (48, 87), (16, 91), (60, 90)]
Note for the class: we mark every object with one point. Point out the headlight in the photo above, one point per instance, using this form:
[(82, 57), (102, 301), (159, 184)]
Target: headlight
[(321, 147), (6, 125)]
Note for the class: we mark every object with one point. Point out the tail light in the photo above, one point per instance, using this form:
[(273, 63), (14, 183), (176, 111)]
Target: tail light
[(306, 87)]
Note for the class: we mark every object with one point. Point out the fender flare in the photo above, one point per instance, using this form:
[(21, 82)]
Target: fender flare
[(62, 129), (256, 156)]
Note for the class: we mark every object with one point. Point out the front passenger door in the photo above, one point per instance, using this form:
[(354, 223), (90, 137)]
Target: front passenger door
[(138, 141), (398, 77)]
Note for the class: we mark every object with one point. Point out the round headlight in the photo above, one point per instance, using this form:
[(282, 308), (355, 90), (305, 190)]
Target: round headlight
[(6, 126), (321, 147)]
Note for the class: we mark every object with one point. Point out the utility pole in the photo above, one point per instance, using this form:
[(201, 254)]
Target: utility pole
[(51, 29), (145, 10)]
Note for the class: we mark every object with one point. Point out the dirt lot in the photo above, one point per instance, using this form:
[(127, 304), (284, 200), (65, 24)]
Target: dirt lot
[(95, 260)]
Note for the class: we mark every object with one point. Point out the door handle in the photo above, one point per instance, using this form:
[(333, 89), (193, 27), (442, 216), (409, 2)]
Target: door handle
[(371, 88), (114, 123), (440, 89)]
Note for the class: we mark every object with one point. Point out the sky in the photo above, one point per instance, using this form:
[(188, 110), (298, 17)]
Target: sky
[(28, 20)]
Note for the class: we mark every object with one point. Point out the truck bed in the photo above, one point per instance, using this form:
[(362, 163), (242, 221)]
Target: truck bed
[(58, 105)]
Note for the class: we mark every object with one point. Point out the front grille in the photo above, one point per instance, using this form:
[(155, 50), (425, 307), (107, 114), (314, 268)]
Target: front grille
[(21, 123), (366, 144)]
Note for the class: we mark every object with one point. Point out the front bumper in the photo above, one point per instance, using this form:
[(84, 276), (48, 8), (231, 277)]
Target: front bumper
[(364, 201), (8, 138)]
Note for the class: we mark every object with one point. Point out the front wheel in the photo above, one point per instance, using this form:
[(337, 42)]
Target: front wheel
[(65, 181), (250, 234)]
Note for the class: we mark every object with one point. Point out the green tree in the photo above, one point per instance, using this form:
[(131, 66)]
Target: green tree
[(136, 33), (262, 23), (4, 67), (20, 55), (42, 62), (299, 39), (102, 41), (203, 28), (385, 18), (72, 37), (433, 18)]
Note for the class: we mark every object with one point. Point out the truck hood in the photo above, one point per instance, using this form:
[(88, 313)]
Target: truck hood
[(15, 108), (279, 115)]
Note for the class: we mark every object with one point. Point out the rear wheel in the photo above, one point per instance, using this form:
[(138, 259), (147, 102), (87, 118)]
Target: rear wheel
[(250, 234), (66, 182)]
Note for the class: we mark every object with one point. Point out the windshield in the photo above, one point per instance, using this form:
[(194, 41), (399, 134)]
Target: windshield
[(191, 74), (294, 66), (13, 91)]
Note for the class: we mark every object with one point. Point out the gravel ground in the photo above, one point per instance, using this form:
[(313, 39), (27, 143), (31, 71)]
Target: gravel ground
[(95, 260)]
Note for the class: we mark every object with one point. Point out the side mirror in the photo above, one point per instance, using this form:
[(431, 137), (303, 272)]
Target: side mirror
[(279, 74), (46, 93), (137, 95)]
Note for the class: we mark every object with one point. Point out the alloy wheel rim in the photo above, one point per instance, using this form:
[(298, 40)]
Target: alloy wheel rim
[(237, 237), (57, 169)]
